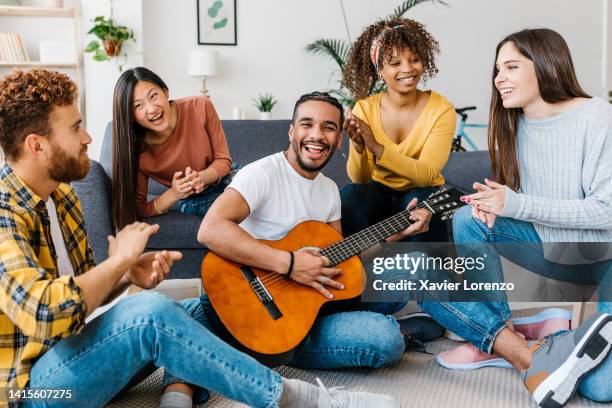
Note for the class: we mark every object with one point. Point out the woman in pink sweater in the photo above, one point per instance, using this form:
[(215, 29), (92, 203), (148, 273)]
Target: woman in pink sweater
[(178, 143)]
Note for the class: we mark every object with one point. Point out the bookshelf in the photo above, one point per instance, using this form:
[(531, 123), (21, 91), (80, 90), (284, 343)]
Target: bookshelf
[(77, 65)]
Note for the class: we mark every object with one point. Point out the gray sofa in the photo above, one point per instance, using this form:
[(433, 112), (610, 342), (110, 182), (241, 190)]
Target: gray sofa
[(248, 141)]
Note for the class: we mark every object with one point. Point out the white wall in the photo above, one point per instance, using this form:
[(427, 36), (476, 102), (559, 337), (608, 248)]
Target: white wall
[(270, 54), (100, 77)]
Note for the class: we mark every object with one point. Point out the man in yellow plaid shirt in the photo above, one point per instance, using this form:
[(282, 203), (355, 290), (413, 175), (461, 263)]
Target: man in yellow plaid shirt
[(49, 283)]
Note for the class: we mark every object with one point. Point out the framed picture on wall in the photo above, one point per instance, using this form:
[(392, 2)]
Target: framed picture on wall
[(217, 22)]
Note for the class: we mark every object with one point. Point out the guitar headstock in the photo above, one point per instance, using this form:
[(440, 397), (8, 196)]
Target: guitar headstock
[(445, 202)]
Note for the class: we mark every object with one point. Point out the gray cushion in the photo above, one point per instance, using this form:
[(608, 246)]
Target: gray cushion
[(177, 230), (464, 168), (94, 192), (248, 140)]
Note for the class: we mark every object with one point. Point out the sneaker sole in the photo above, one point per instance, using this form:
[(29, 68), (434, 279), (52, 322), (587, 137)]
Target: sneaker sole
[(496, 362), (547, 314), (589, 353)]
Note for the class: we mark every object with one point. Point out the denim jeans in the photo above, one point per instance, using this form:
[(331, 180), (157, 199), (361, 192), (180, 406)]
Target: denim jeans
[(364, 205), (146, 329), (336, 340), (200, 204), (480, 322)]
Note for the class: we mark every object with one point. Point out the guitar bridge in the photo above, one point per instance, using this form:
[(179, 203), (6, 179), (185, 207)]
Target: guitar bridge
[(261, 291)]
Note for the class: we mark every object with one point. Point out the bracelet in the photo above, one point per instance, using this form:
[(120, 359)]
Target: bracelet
[(288, 275), (157, 209)]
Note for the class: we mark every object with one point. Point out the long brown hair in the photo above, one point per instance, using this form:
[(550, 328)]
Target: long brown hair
[(556, 82), (128, 143)]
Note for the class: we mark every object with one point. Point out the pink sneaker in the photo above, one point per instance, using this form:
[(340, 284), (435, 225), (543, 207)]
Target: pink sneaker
[(544, 323), (468, 357)]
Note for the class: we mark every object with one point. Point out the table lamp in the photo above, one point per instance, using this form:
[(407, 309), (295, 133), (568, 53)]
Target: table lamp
[(203, 63)]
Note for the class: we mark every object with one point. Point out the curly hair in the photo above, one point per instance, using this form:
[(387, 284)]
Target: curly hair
[(26, 101), (359, 74)]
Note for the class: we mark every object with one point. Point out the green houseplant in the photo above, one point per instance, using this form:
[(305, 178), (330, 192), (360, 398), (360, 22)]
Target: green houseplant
[(110, 39), (264, 104), (338, 50)]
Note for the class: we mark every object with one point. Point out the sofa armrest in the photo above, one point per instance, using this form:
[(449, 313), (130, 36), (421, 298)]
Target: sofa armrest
[(94, 192)]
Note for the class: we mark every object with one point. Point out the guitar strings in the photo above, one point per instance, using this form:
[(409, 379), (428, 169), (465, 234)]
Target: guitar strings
[(359, 237)]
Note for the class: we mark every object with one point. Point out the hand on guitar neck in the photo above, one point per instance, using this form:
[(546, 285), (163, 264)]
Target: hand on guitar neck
[(420, 218)]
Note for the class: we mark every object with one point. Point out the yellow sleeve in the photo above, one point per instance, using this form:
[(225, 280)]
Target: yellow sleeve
[(41, 308), (428, 167), (359, 165)]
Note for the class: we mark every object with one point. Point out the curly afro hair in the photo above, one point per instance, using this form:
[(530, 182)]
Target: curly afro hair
[(26, 101), (397, 34)]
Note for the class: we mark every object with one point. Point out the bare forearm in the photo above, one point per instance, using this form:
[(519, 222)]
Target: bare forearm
[(166, 200), (232, 242), (119, 288), (209, 176), (98, 283)]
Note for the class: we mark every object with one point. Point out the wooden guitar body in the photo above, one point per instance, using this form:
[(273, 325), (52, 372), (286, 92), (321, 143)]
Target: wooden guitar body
[(238, 305)]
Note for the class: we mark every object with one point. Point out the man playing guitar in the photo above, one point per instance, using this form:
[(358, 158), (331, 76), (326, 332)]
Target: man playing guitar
[(271, 196)]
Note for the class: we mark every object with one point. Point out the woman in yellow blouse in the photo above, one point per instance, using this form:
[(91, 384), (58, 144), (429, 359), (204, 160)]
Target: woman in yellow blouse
[(400, 138)]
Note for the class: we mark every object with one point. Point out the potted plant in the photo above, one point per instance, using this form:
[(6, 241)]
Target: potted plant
[(111, 37), (264, 104)]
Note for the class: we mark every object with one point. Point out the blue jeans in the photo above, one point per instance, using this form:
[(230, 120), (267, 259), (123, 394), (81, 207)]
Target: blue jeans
[(364, 205), (147, 329), (336, 340), (200, 204), (480, 322)]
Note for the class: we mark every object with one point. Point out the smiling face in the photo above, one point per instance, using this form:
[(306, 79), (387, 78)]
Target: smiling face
[(151, 107), (314, 136), (516, 79), (402, 71)]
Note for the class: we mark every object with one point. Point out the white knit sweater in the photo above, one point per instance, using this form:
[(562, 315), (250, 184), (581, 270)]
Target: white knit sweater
[(565, 164)]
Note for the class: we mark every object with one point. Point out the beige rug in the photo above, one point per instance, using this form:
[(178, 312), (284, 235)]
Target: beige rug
[(417, 381)]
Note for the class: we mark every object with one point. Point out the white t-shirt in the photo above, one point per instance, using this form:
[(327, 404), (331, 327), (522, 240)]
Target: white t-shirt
[(63, 262), (279, 198)]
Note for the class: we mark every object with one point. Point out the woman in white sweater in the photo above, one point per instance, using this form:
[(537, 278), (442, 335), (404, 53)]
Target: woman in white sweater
[(551, 149)]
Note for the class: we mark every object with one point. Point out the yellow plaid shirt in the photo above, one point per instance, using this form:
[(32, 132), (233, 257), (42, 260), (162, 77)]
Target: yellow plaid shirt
[(37, 306)]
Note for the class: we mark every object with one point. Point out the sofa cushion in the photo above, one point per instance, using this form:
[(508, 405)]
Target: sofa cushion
[(94, 193), (248, 140), (177, 230), (464, 168)]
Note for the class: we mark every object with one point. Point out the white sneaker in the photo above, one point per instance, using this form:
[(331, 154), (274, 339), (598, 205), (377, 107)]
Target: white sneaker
[(334, 398)]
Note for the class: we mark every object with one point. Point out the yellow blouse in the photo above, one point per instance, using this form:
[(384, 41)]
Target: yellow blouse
[(415, 162)]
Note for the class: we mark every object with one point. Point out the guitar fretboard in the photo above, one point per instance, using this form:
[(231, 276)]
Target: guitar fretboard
[(359, 242)]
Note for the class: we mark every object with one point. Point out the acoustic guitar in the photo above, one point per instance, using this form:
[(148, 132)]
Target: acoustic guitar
[(268, 316)]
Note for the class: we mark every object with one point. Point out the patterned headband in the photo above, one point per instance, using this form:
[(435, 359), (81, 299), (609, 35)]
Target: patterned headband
[(377, 43)]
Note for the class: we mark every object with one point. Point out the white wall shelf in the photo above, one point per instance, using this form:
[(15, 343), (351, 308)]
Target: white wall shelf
[(38, 64), (36, 11)]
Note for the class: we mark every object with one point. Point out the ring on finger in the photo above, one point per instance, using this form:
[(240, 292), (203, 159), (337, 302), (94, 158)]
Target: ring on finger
[(323, 279)]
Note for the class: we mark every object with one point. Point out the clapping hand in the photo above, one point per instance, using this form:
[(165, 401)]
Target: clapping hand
[(152, 268), (197, 185), (488, 202)]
